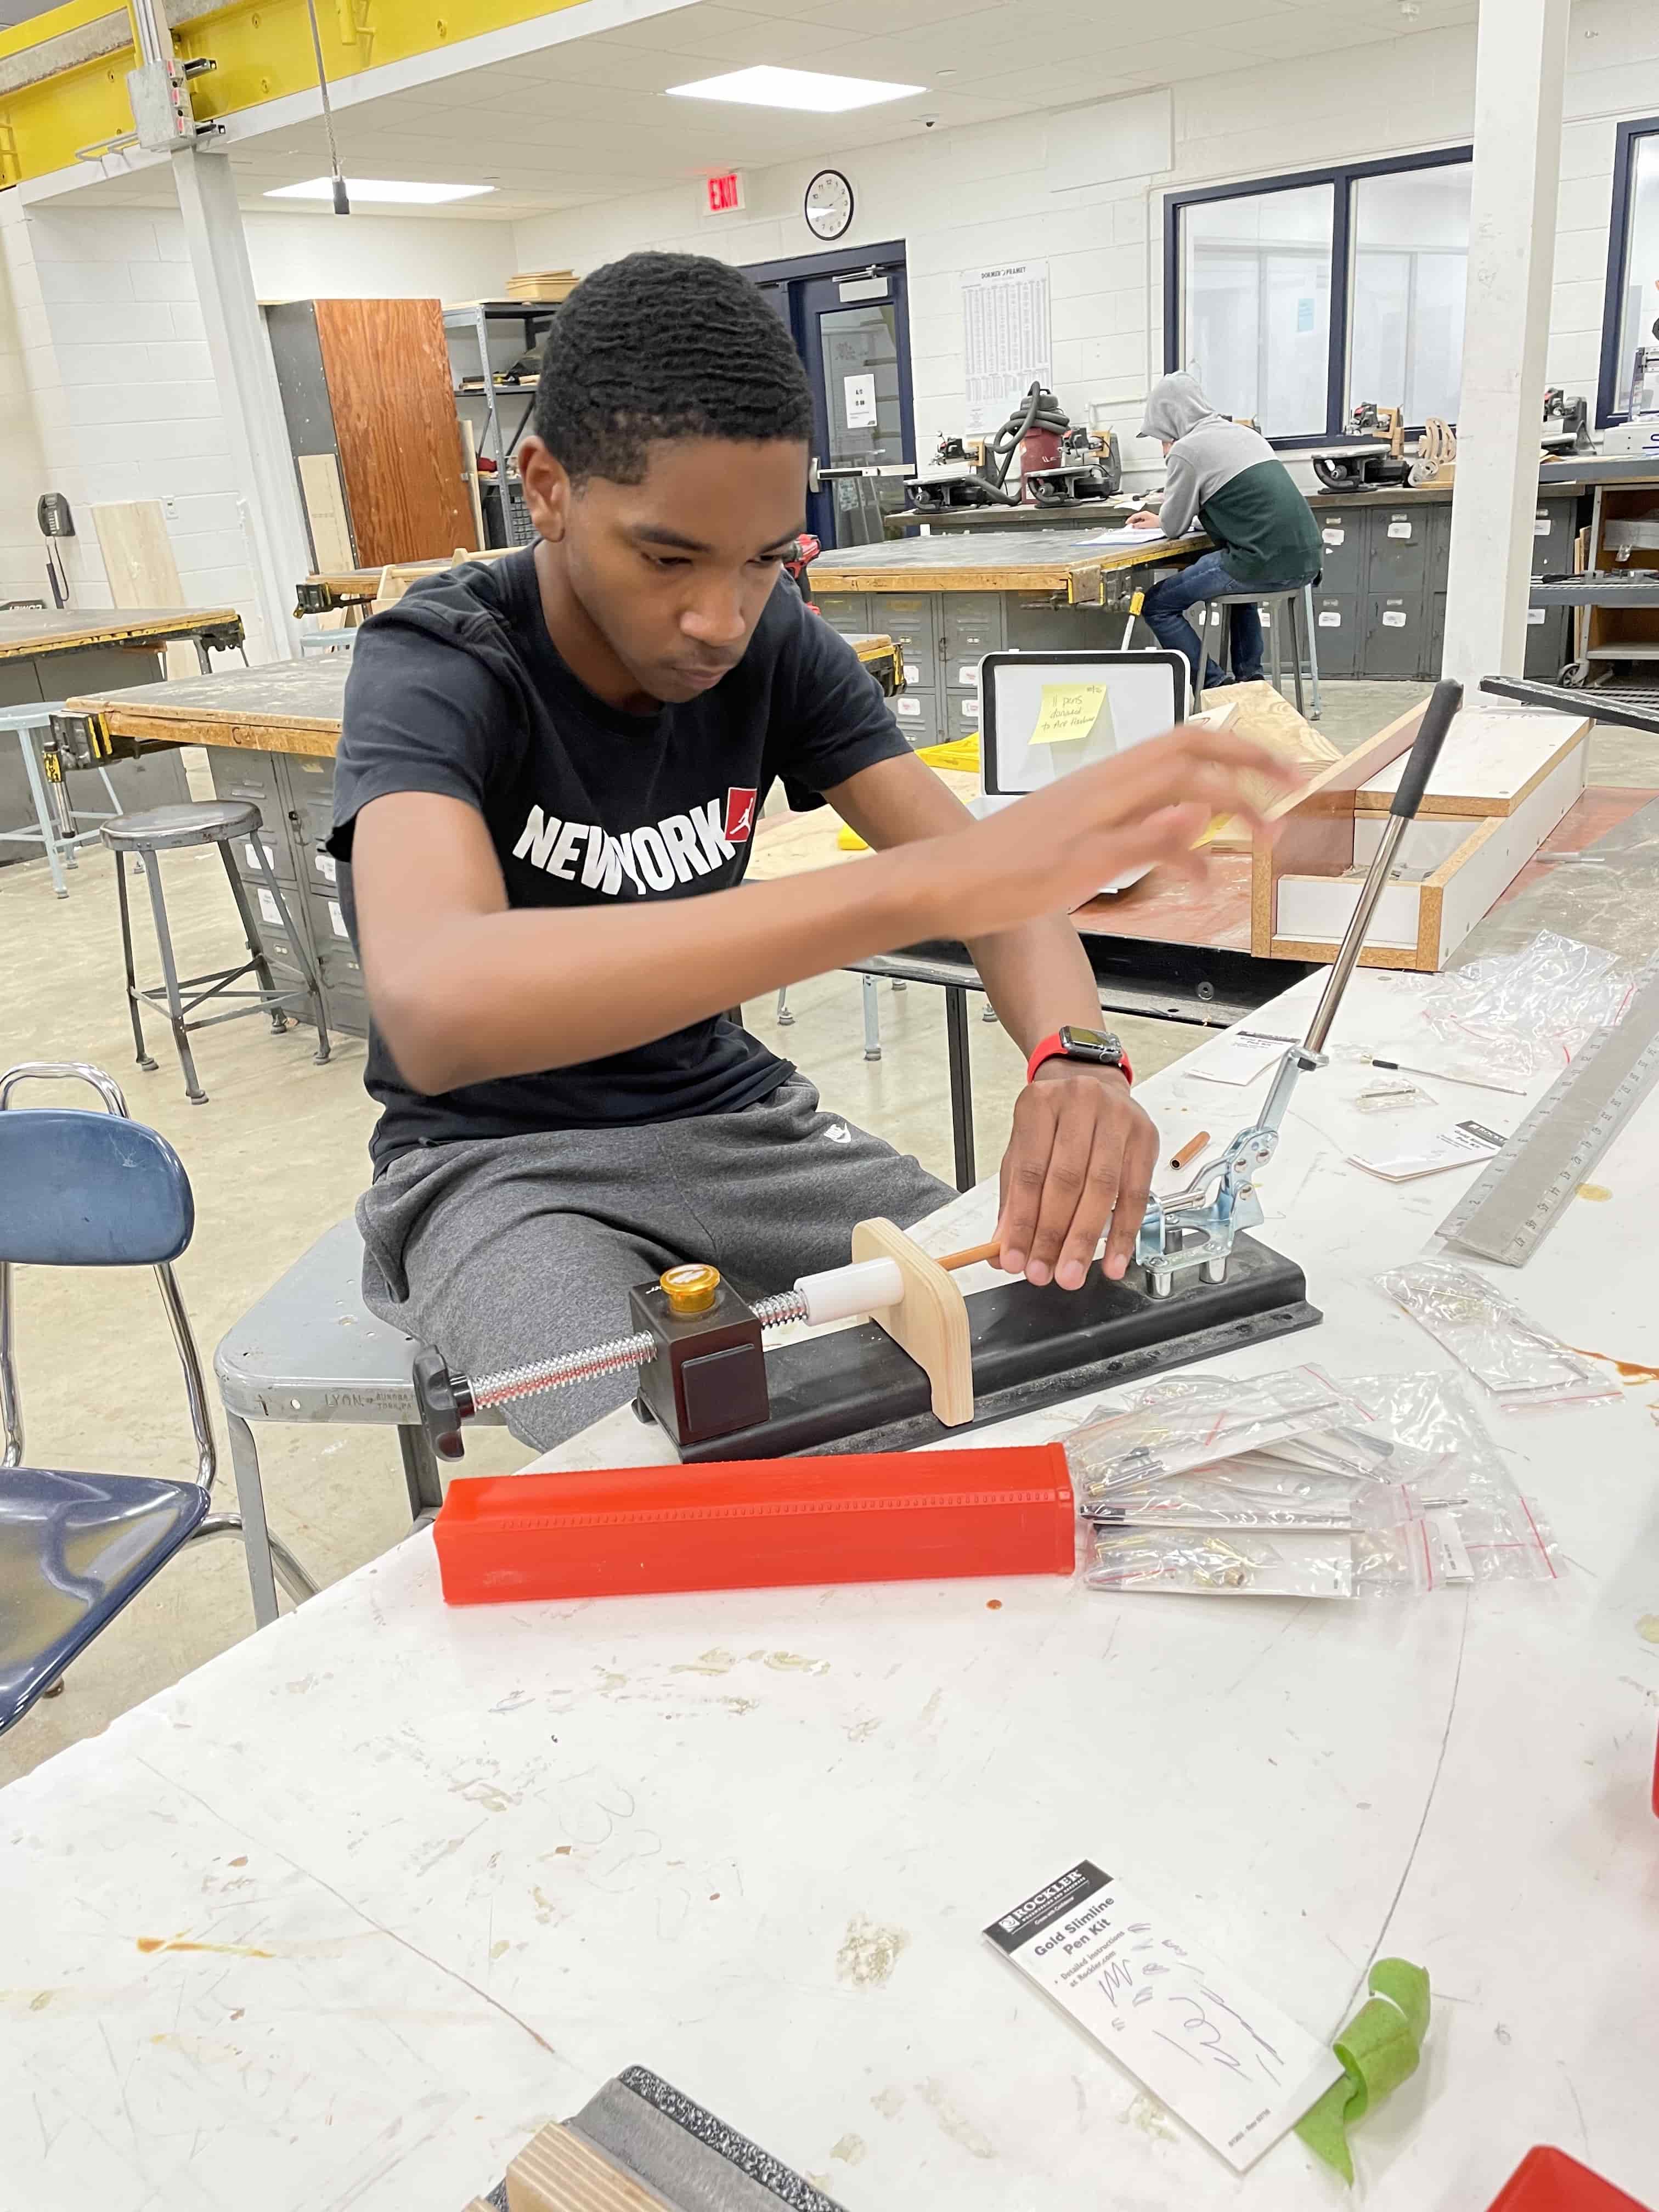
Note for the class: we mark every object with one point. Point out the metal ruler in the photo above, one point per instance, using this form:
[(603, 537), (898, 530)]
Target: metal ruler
[(1507, 1214)]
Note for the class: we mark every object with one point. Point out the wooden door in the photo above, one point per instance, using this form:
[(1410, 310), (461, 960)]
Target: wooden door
[(388, 373)]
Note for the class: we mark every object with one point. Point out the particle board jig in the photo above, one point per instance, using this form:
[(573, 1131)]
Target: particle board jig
[(928, 1361)]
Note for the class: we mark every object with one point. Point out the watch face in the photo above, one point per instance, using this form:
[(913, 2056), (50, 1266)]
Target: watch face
[(829, 204), (1089, 1044)]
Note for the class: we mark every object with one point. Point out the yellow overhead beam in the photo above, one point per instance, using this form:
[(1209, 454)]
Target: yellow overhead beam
[(54, 100)]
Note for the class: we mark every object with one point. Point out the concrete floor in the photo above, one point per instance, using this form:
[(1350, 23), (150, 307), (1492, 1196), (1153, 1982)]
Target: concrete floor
[(278, 1154)]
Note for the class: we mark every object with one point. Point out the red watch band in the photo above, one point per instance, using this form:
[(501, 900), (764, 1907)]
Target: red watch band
[(1052, 1048)]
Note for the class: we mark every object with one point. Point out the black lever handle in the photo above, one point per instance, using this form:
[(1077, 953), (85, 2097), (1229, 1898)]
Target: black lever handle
[(1444, 701), (441, 1413)]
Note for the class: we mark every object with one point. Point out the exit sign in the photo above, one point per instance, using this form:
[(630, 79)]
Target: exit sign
[(723, 195)]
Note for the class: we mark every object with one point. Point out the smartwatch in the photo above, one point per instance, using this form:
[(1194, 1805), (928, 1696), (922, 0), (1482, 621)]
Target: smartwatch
[(1098, 1048)]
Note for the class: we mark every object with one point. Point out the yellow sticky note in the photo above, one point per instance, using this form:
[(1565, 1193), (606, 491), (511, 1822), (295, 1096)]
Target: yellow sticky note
[(1071, 712)]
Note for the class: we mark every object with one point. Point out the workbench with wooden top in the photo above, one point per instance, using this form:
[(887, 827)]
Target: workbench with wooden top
[(48, 653), (271, 735), (1379, 602), (950, 600)]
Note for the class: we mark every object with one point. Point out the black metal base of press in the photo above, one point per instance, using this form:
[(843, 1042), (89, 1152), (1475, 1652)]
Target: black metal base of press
[(854, 1390)]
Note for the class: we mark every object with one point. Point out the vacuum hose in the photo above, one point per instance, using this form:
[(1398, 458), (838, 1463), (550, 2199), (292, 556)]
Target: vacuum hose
[(1040, 410)]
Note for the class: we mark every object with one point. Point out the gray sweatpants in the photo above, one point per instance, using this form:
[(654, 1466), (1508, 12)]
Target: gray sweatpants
[(505, 1250)]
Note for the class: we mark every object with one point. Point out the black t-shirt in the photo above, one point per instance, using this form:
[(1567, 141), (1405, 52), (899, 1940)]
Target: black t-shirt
[(458, 690)]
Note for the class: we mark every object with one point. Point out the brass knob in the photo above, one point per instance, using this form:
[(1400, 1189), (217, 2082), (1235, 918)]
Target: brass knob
[(691, 1289)]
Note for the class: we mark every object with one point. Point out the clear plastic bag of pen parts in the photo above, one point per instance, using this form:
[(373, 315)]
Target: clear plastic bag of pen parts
[(1522, 1365), (1402, 1493), (1192, 1421)]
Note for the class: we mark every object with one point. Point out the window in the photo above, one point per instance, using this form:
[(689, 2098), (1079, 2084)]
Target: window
[(1411, 258), (1294, 299), (1256, 280), (1630, 340)]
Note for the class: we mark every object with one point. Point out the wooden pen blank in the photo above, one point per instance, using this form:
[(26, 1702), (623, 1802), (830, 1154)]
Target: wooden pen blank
[(1190, 1151), (952, 1260)]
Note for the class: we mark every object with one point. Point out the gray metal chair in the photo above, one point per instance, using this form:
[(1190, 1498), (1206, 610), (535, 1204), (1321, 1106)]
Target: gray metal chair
[(210, 822), (311, 1351), (1296, 603), (59, 833), (79, 1545)]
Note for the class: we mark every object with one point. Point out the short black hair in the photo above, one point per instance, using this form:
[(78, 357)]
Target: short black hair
[(665, 346)]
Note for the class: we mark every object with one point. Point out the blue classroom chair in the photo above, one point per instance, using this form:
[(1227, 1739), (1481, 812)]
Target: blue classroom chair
[(80, 1188)]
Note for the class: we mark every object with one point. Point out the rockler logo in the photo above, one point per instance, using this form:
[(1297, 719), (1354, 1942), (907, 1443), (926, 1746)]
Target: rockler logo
[(739, 815)]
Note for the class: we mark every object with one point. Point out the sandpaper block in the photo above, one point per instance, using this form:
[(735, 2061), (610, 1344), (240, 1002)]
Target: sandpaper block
[(641, 2145), (753, 1524), (693, 2160)]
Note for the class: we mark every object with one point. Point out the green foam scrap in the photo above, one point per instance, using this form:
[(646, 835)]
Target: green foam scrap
[(1379, 2049)]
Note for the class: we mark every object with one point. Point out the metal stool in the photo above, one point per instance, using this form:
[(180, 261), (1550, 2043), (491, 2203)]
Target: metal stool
[(60, 835), (1300, 597), (208, 822)]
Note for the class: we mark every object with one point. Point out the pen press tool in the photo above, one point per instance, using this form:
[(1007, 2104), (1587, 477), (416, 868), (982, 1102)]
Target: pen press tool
[(927, 1361)]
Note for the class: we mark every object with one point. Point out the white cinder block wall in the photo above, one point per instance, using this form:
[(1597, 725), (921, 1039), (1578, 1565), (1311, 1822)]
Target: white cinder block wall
[(115, 397), (122, 391), (968, 199), (22, 562)]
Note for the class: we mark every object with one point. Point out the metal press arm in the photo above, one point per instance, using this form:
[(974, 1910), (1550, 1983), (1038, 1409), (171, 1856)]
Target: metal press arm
[(1196, 1227)]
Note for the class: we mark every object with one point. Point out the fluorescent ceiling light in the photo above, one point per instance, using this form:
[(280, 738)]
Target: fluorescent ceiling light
[(388, 190), (766, 87)]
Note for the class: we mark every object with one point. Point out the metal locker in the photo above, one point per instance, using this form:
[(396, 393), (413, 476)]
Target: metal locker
[(1336, 633), (239, 774), (1342, 547), (1397, 555), (848, 611), (278, 849), (911, 620), (916, 713), (1395, 638)]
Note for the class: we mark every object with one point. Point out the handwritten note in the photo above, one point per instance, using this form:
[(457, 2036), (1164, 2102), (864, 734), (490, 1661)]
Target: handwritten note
[(1224, 2059), (1071, 712)]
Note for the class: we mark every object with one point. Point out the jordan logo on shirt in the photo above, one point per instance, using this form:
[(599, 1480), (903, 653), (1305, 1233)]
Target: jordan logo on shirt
[(653, 858)]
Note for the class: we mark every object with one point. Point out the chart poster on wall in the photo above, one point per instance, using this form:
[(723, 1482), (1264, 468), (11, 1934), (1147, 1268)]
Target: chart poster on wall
[(1006, 338), (860, 393)]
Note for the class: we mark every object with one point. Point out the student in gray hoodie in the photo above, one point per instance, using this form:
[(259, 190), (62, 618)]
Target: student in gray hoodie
[(1231, 480)]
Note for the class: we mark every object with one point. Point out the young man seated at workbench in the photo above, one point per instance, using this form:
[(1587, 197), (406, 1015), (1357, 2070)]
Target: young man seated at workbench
[(1230, 481), (549, 780)]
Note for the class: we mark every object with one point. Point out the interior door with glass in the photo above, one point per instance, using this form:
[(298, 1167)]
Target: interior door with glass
[(854, 332)]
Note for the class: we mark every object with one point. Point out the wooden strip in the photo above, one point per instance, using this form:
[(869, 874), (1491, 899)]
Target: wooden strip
[(558, 2171), (930, 1321)]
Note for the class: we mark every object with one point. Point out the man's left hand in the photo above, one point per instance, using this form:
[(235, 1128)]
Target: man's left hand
[(1081, 1153)]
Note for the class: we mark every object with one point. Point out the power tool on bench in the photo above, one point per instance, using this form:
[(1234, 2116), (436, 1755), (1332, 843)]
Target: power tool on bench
[(930, 1361), (1058, 463), (1370, 467)]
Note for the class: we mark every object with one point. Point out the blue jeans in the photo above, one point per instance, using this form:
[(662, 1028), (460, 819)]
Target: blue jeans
[(1206, 578)]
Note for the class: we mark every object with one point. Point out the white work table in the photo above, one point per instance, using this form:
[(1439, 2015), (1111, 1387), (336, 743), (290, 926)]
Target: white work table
[(426, 1878)]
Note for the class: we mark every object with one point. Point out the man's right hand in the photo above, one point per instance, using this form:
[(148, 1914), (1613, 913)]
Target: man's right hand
[(1049, 852), (1145, 521)]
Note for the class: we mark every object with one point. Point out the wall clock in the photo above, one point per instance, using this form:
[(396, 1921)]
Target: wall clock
[(827, 206)]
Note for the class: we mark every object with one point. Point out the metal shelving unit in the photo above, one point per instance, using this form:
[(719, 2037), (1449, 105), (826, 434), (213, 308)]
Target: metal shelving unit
[(497, 439)]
